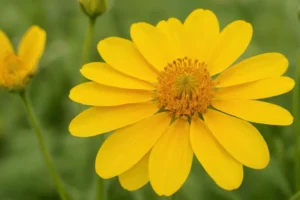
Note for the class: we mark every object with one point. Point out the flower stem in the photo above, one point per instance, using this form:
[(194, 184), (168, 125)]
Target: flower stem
[(296, 196), (86, 56), (296, 126), (88, 40), (100, 181), (56, 178)]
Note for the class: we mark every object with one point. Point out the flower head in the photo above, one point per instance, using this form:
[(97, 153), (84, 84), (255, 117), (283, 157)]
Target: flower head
[(174, 91), (17, 68)]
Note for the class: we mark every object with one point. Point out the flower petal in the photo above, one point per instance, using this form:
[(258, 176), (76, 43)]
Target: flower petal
[(123, 55), (152, 43), (255, 111), (253, 69), (137, 176), (202, 31), (126, 146), (240, 138), (171, 159), (5, 44), (97, 120), (94, 94), (212, 155), (233, 41), (104, 74), (260, 89), (32, 46), (173, 30)]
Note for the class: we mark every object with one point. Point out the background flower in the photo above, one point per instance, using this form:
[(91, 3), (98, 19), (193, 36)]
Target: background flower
[(18, 66)]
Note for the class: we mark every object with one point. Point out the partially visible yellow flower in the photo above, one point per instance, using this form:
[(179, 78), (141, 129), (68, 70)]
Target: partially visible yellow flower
[(17, 68), (174, 91), (93, 8)]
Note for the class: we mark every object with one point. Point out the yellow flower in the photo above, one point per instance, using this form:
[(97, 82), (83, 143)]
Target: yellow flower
[(162, 95), (17, 68)]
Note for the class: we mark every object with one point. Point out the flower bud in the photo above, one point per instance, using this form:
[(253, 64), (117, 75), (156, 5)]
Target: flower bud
[(93, 8)]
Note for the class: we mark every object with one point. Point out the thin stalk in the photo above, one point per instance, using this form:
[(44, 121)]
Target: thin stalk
[(296, 196), (296, 127), (51, 168), (100, 182), (168, 198), (86, 57), (88, 40)]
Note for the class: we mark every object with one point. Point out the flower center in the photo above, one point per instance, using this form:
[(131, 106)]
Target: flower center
[(184, 87), (13, 73)]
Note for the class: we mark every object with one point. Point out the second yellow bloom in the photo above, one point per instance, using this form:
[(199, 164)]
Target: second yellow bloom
[(16, 68)]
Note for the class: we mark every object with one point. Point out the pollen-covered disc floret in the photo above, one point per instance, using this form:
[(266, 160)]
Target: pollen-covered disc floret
[(13, 72), (184, 88)]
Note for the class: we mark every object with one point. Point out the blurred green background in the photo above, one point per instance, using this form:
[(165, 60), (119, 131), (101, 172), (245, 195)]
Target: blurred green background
[(23, 173)]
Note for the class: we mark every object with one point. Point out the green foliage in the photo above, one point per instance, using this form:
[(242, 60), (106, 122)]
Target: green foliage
[(23, 174)]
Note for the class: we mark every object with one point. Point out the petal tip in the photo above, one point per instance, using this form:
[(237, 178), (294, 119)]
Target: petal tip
[(290, 121), (100, 169), (72, 129)]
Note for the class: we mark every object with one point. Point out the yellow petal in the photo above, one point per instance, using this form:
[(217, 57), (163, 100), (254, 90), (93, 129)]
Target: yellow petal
[(172, 29), (126, 146), (240, 138), (255, 111), (233, 41), (104, 74), (212, 155), (32, 46), (137, 176), (260, 89), (95, 94), (5, 44), (123, 55), (152, 43), (171, 159), (254, 68), (202, 31), (97, 120)]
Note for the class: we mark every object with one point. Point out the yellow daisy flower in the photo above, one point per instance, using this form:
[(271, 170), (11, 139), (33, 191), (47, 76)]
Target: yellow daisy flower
[(17, 68), (161, 96)]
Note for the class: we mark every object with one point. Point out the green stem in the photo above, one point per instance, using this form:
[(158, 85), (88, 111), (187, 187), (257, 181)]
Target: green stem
[(88, 40), (296, 196), (56, 178), (296, 126), (168, 198), (100, 181), (86, 55)]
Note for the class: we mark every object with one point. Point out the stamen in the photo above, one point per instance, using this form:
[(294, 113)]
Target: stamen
[(184, 87), (13, 71)]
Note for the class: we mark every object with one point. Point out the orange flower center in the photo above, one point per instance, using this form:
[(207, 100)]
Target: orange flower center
[(13, 73), (184, 87)]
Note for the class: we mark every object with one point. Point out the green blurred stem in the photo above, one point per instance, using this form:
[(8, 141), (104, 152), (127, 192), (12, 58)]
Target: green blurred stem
[(296, 126), (86, 57), (296, 196), (169, 198), (100, 181), (88, 40), (56, 178)]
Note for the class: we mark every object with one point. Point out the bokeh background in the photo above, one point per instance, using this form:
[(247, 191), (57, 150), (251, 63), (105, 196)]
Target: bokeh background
[(23, 173)]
